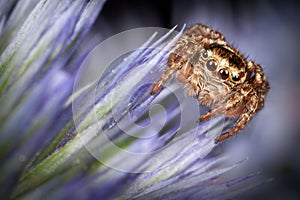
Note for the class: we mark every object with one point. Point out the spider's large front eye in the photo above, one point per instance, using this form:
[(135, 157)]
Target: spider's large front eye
[(211, 65), (224, 74), (235, 77)]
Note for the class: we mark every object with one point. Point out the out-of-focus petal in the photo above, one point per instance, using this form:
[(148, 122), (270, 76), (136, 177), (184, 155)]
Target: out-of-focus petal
[(25, 131)]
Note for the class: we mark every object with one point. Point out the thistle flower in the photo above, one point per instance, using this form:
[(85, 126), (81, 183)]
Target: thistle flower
[(61, 138)]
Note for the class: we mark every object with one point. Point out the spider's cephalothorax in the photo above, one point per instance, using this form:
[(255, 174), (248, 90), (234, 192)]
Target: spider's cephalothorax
[(217, 75)]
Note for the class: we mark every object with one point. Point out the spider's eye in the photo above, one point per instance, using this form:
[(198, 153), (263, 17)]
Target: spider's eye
[(211, 65), (204, 54), (224, 74), (235, 77)]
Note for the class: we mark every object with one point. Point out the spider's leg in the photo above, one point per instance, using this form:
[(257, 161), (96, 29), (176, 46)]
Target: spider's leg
[(206, 36), (235, 111), (185, 71), (177, 60), (227, 111), (205, 31), (248, 112), (259, 82), (232, 106), (212, 113), (164, 78), (228, 108)]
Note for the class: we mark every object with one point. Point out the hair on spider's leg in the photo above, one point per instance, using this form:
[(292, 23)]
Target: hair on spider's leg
[(164, 78), (249, 111)]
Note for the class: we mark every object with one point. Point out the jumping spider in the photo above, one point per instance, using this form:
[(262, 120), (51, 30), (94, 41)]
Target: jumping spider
[(217, 75)]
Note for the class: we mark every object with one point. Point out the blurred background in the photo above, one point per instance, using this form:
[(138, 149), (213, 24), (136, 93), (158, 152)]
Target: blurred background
[(264, 31)]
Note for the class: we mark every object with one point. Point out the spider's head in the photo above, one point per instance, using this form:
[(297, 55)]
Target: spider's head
[(226, 64)]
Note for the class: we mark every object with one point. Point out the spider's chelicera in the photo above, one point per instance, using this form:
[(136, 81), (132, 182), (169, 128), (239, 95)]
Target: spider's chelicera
[(217, 75)]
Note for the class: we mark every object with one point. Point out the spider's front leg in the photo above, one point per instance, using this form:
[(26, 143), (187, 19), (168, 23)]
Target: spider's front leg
[(243, 102), (165, 76), (179, 59), (248, 112), (230, 107), (229, 110)]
